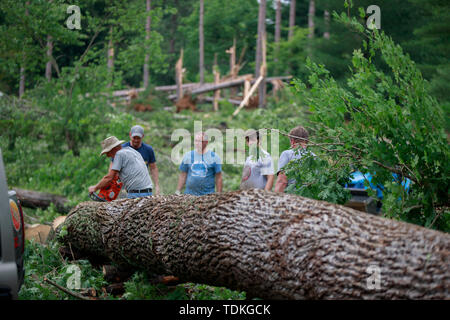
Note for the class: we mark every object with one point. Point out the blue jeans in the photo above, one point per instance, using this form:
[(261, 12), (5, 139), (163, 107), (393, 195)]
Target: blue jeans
[(138, 195)]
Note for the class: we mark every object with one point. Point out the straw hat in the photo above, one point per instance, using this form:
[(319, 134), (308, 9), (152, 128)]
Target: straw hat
[(110, 143)]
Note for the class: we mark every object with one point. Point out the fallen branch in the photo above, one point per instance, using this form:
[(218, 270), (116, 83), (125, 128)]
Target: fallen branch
[(246, 98), (65, 290)]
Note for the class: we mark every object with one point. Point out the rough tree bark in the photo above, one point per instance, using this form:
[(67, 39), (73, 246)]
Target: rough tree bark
[(273, 246)]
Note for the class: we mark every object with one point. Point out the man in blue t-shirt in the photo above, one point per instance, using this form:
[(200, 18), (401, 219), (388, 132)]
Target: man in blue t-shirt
[(201, 169)]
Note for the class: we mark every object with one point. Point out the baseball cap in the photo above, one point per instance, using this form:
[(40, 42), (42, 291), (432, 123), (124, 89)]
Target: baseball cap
[(137, 131)]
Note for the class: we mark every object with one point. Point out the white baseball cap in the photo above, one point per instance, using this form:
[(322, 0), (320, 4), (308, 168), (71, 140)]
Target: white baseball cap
[(137, 131)]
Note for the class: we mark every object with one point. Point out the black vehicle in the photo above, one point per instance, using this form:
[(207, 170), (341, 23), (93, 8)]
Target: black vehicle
[(12, 240)]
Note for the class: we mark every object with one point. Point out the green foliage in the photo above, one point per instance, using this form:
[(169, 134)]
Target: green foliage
[(221, 24), (139, 288), (44, 261), (318, 179), (384, 123), (289, 55)]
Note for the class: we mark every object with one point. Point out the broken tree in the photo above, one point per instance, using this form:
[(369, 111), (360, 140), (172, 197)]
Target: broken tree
[(273, 246)]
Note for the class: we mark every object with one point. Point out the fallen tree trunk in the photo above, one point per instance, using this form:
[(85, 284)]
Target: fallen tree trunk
[(273, 246), (36, 199), (226, 84)]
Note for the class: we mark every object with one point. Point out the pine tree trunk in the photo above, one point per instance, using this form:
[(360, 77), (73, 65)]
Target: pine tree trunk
[(271, 245), (147, 38), (261, 53), (311, 14), (48, 66), (326, 16), (277, 33), (291, 20), (110, 62), (201, 44), (22, 82)]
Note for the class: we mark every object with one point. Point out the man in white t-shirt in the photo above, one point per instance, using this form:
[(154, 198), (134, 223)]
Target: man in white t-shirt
[(258, 170), (299, 141)]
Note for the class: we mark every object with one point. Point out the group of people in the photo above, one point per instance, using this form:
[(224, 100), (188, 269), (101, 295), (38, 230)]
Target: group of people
[(134, 163)]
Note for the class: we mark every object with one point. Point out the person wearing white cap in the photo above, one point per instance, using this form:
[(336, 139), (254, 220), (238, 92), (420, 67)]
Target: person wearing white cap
[(136, 142), (129, 165)]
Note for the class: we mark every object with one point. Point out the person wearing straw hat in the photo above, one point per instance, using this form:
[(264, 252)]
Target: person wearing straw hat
[(129, 165)]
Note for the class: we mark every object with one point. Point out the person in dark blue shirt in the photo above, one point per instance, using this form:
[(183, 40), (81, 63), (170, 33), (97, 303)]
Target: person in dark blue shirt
[(136, 137)]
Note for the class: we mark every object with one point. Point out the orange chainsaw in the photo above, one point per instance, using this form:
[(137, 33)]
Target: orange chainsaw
[(108, 193)]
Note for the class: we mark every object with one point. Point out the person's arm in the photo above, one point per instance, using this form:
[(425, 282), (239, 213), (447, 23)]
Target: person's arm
[(219, 182), (269, 183), (155, 176), (181, 181), (281, 183), (105, 181)]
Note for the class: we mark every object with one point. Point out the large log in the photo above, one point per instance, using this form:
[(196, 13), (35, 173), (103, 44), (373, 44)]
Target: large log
[(273, 246), (37, 199), (226, 84)]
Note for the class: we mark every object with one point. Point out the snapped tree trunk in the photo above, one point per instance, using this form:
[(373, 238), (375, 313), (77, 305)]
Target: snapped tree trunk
[(273, 246)]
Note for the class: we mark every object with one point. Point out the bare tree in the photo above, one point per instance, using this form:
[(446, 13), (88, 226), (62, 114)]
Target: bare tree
[(110, 62), (22, 66), (277, 29), (48, 66), (201, 43), (147, 38), (261, 53), (291, 20), (326, 18), (311, 14)]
